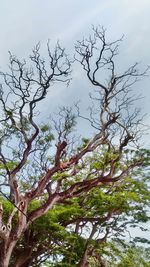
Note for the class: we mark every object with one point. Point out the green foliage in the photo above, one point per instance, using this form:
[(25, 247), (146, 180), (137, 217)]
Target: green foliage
[(113, 207), (7, 208), (133, 256), (126, 201), (10, 165)]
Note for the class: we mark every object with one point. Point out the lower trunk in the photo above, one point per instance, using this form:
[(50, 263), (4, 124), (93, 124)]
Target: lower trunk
[(24, 262), (5, 253), (24, 259), (103, 263), (84, 260)]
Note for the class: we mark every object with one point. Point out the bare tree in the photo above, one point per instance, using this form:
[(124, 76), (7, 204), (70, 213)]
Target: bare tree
[(30, 168)]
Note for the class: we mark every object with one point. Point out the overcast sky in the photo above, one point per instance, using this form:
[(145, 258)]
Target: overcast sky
[(24, 23)]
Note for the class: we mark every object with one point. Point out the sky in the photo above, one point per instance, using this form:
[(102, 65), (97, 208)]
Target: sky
[(24, 23)]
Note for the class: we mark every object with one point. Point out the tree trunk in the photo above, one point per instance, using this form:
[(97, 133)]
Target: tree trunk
[(84, 260), (23, 262), (5, 253), (103, 263), (24, 259)]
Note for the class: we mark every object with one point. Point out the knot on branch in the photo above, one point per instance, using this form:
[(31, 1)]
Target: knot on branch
[(59, 153), (22, 204), (61, 145)]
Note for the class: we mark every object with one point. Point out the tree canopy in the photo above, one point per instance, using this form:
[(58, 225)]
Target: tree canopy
[(63, 198)]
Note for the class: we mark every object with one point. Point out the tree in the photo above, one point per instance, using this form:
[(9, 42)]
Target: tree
[(83, 228), (31, 169)]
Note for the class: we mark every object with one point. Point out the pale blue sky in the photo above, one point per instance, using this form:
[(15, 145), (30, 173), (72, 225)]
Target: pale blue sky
[(24, 23)]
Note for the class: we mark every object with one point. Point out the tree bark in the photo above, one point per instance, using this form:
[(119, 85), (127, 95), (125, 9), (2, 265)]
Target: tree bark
[(23, 261), (84, 260), (5, 253), (24, 258)]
